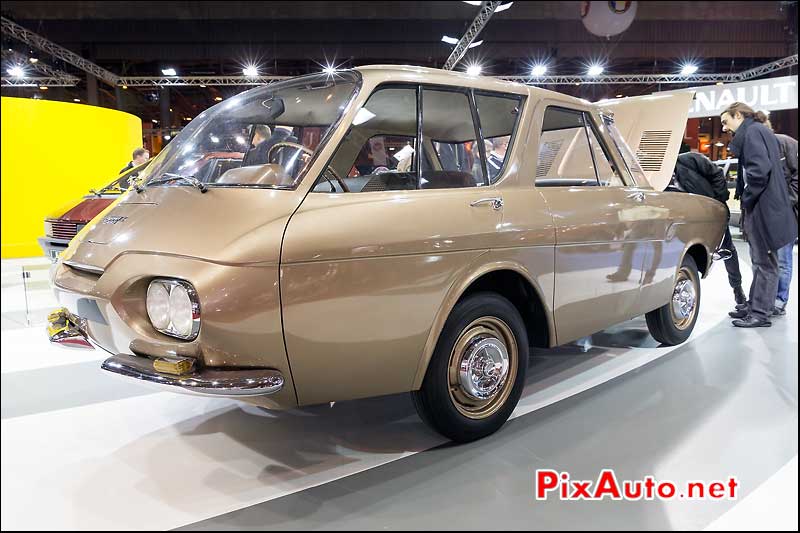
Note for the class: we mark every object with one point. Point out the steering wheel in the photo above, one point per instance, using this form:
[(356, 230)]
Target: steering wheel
[(309, 152)]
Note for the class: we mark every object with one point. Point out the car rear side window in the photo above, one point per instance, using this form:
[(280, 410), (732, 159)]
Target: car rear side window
[(571, 153), (498, 117)]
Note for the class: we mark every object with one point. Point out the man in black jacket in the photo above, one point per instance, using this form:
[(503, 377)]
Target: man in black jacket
[(695, 173), (767, 215)]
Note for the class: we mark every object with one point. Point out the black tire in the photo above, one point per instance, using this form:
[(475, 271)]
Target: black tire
[(664, 324), (439, 404)]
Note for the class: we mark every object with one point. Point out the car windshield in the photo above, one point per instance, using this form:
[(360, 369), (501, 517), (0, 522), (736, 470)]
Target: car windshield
[(264, 137)]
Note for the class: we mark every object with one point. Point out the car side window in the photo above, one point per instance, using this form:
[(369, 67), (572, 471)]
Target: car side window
[(379, 152), (565, 156), (498, 116), (607, 173), (450, 137)]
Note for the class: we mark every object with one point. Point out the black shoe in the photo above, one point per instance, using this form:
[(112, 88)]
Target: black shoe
[(738, 295), (739, 313), (778, 311), (752, 322)]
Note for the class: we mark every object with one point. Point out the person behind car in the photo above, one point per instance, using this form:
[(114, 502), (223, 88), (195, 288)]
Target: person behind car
[(494, 159), (695, 173), (766, 210), (788, 147), (257, 155), (140, 156)]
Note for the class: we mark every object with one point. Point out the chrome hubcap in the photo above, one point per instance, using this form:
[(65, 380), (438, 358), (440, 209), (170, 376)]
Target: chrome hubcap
[(683, 299), (483, 368)]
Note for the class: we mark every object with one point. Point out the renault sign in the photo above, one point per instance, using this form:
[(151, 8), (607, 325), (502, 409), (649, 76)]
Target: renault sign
[(763, 95)]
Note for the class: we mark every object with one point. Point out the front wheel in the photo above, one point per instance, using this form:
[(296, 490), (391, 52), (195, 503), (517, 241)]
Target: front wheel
[(673, 323), (477, 372)]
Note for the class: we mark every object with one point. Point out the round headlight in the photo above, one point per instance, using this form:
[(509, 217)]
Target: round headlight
[(180, 311), (158, 305)]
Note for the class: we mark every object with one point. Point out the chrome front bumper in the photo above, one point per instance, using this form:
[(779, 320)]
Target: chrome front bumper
[(205, 382), (175, 374)]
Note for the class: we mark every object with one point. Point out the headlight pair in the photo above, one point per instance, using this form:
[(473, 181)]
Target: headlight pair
[(173, 308)]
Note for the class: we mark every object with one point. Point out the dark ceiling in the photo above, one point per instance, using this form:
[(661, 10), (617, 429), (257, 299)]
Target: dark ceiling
[(290, 38)]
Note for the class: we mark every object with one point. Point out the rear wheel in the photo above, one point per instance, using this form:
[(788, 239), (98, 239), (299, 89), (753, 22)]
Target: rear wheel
[(673, 323), (477, 372)]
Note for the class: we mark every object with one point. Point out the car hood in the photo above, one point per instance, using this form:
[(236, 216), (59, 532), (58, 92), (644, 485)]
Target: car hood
[(223, 225)]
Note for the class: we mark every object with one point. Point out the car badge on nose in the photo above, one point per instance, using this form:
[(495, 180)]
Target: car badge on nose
[(113, 220)]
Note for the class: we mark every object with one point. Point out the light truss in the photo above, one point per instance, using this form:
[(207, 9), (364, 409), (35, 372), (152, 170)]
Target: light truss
[(12, 29), (649, 79), (172, 81), (485, 13), (47, 70), (36, 82)]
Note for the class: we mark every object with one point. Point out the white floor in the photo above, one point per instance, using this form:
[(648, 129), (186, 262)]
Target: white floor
[(160, 460)]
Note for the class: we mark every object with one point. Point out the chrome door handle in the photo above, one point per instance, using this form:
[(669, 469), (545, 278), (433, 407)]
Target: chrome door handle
[(497, 202), (638, 196)]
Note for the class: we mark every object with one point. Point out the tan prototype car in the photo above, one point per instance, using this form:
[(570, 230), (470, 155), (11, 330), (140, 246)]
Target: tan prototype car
[(400, 229)]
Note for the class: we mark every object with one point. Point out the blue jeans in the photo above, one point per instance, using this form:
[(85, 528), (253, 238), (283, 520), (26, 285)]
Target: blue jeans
[(785, 267)]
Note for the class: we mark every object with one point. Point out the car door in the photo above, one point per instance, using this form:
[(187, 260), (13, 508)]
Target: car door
[(371, 252), (601, 219)]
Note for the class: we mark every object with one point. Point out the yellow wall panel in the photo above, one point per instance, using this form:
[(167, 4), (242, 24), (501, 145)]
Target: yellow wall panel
[(52, 153)]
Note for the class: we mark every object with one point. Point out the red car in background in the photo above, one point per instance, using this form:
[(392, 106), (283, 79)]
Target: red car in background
[(59, 229)]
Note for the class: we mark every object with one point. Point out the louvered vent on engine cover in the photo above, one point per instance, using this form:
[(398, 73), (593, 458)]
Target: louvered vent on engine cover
[(652, 149)]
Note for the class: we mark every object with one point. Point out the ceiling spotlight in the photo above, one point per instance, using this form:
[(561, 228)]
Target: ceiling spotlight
[(503, 7), (33, 60), (167, 137), (16, 71), (476, 43), (169, 71), (250, 71), (203, 86), (688, 70), (449, 40), (719, 83), (217, 98), (472, 2), (76, 99), (595, 70), (474, 70), (125, 87), (538, 70), (719, 144), (330, 70), (619, 96), (43, 87)]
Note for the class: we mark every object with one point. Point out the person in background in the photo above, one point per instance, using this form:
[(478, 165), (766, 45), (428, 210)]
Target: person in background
[(257, 155), (140, 156), (766, 210), (495, 158), (695, 173), (788, 147)]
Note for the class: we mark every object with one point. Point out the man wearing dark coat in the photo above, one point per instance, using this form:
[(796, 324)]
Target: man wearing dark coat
[(767, 215)]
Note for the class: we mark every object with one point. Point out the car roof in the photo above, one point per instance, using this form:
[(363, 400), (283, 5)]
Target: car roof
[(449, 77)]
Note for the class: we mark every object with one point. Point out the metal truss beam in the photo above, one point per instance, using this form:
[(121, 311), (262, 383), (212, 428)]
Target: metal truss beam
[(649, 79), (12, 29), (171, 81), (36, 82), (47, 70), (485, 13), (780, 64)]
